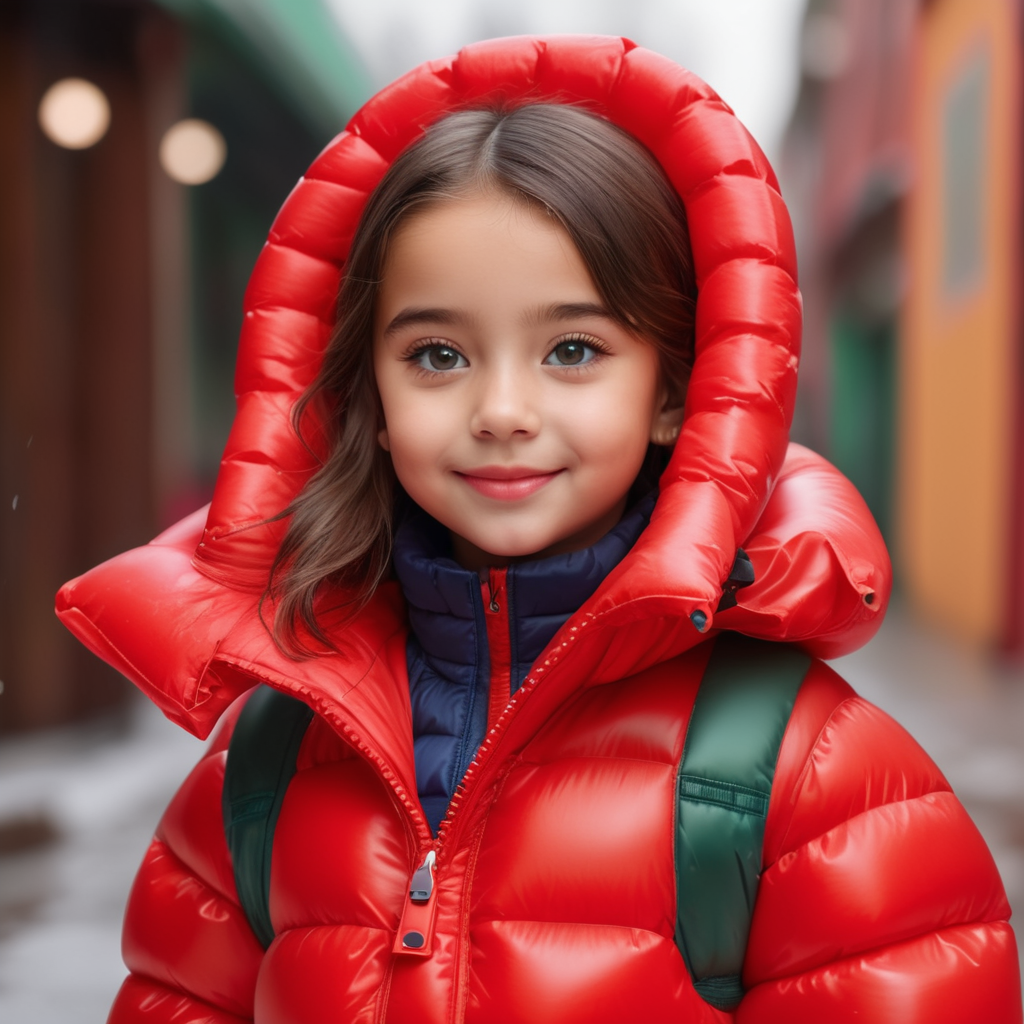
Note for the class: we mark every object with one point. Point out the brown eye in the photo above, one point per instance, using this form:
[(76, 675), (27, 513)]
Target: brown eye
[(439, 358), (570, 353), (443, 358)]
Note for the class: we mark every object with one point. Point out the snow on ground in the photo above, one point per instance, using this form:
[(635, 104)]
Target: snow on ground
[(90, 796)]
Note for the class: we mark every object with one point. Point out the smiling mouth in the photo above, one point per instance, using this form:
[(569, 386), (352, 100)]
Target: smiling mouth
[(507, 484)]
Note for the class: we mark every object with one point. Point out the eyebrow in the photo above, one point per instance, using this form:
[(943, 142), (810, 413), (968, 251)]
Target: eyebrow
[(567, 311), (415, 315)]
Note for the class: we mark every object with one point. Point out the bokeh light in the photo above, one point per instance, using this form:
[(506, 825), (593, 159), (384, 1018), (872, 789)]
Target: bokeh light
[(192, 151), (74, 113)]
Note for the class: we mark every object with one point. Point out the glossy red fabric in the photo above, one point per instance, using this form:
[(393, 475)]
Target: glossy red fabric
[(556, 880), (549, 907)]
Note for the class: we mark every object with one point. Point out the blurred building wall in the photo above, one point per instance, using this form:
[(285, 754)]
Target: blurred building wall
[(902, 166), (845, 170), (75, 365), (959, 366), (121, 289)]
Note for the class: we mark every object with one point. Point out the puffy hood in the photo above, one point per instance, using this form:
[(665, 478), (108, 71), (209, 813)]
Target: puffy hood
[(179, 615)]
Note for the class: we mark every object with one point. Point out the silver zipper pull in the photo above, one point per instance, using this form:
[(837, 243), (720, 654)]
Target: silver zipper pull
[(422, 884)]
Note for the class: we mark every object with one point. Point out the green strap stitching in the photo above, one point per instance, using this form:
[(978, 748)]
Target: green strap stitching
[(723, 794), (723, 790), (260, 764)]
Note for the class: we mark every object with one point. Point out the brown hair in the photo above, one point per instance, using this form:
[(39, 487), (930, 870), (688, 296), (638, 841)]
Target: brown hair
[(629, 226)]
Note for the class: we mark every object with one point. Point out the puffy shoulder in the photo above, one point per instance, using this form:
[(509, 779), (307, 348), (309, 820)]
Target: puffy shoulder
[(841, 757), (878, 893), (822, 574)]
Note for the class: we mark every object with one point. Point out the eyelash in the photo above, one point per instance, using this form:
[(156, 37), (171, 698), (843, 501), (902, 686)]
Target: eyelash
[(587, 340)]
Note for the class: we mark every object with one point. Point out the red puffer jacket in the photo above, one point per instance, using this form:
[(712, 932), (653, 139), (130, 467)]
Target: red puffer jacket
[(555, 873), (555, 888)]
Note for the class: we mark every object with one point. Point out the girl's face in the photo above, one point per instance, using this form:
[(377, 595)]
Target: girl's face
[(516, 411)]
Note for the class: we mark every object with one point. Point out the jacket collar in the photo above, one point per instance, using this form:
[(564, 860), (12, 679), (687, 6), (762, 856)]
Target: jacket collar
[(362, 690), (444, 602)]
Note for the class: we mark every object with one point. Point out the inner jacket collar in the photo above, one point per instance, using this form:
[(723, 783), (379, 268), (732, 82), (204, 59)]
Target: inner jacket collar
[(448, 655)]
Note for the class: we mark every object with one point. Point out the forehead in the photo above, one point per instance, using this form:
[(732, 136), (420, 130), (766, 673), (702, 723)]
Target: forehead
[(482, 250)]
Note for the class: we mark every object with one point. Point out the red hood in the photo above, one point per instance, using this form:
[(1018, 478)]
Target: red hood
[(178, 616)]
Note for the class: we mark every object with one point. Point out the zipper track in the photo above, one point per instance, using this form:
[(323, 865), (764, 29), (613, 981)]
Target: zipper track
[(447, 833), (421, 834), (422, 829), (474, 772)]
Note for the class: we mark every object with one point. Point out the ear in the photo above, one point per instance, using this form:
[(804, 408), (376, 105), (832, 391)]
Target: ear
[(382, 439), (667, 422)]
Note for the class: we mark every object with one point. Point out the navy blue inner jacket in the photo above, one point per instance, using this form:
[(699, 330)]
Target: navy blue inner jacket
[(449, 662)]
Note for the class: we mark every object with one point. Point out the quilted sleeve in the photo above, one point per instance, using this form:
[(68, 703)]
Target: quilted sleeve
[(879, 900), (191, 953)]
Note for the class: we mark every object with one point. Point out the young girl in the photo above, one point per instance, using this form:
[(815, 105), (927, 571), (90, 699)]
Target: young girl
[(506, 765)]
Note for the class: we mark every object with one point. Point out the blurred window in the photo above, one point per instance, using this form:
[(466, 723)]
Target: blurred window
[(963, 174)]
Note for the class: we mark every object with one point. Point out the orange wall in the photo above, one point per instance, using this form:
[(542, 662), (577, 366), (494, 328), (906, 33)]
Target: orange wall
[(957, 361)]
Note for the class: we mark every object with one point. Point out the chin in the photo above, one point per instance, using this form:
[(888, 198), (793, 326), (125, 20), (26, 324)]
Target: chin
[(506, 547), (512, 550)]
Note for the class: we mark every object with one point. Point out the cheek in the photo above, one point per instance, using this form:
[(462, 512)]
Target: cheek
[(616, 427), (417, 442), (400, 413), (407, 445)]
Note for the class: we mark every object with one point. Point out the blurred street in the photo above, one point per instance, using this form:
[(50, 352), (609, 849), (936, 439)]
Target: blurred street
[(77, 807)]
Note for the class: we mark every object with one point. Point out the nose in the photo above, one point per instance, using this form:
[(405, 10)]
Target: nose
[(506, 405)]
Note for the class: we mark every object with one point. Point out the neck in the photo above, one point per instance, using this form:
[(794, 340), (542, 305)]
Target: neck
[(469, 556)]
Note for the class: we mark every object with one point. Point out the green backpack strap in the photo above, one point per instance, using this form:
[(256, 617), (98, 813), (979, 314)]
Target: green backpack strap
[(260, 764), (724, 785)]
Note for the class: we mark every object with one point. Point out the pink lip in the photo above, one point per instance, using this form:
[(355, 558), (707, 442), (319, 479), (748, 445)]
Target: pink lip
[(507, 483)]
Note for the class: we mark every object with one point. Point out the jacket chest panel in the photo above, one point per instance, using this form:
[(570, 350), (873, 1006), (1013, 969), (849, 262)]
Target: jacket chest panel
[(593, 791), (562, 888), (527, 972), (323, 975), (341, 850), (581, 839), (641, 717)]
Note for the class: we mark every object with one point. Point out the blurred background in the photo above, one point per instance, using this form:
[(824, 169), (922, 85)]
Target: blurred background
[(145, 146)]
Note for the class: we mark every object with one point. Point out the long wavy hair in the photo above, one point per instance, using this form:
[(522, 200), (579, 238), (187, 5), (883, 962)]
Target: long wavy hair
[(611, 197)]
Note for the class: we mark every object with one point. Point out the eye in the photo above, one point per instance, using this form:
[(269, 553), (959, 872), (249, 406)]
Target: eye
[(572, 352), (438, 358)]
